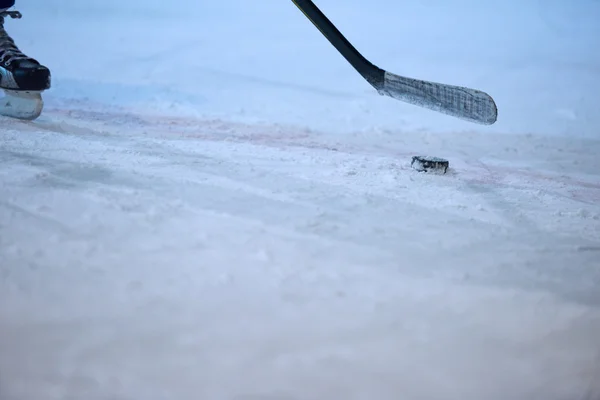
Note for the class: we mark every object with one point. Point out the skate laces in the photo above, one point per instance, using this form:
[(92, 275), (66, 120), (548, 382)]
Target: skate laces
[(9, 52)]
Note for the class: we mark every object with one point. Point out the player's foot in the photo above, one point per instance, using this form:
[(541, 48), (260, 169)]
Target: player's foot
[(18, 71)]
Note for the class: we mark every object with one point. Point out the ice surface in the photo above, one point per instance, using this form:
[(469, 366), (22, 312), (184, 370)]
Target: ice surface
[(214, 205)]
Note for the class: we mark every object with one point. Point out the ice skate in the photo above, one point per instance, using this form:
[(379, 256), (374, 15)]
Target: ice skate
[(22, 78)]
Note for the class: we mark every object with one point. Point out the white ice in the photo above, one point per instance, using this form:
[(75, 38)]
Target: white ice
[(214, 205)]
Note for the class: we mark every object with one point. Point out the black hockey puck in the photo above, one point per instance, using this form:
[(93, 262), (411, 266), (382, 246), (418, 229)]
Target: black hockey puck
[(429, 164)]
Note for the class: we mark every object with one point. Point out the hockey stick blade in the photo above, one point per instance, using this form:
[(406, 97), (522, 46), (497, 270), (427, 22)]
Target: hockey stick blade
[(461, 102)]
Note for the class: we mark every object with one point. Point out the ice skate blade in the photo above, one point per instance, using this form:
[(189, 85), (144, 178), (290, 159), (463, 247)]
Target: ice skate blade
[(24, 105)]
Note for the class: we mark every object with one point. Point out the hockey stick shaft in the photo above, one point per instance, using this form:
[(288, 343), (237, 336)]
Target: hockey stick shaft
[(461, 102), (364, 67)]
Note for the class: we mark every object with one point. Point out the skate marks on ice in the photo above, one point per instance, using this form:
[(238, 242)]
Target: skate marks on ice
[(269, 168), (383, 169)]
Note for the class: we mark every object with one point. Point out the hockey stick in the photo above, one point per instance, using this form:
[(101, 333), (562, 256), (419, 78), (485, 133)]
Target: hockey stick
[(461, 102)]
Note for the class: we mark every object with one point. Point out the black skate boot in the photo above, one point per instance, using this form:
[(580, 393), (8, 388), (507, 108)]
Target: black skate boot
[(22, 78)]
